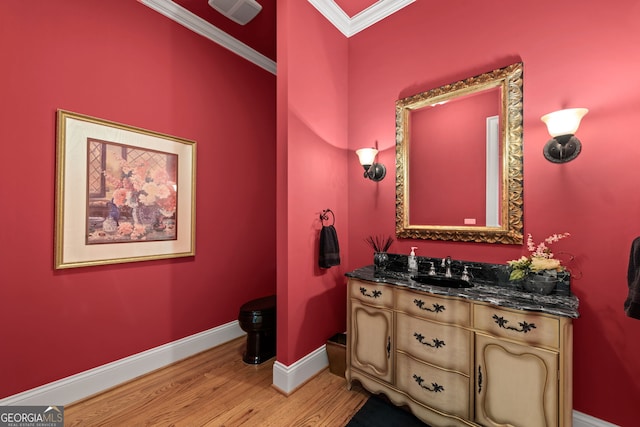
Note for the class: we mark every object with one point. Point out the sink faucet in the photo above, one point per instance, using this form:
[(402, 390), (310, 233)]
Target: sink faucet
[(446, 263), (465, 274), (432, 270)]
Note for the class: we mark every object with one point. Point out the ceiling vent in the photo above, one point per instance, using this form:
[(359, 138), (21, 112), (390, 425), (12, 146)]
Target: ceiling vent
[(240, 11)]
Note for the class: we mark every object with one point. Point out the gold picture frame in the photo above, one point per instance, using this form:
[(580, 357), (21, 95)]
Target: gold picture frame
[(509, 167), (123, 194)]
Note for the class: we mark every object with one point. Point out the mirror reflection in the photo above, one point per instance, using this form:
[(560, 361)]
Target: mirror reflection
[(459, 160)]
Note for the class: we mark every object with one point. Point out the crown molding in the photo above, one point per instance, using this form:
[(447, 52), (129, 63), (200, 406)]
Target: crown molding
[(328, 8), (198, 25), (334, 14), (368, 17)]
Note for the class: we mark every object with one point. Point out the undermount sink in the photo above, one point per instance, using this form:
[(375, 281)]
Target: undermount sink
[(445, 282)]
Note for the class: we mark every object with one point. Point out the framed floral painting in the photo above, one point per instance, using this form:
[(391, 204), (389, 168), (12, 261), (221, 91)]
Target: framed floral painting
[(123, 194)]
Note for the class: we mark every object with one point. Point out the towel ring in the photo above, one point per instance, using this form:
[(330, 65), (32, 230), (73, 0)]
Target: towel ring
[(324, 217)]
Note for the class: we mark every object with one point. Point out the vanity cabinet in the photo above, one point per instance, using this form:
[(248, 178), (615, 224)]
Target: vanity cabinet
[(459, 362)]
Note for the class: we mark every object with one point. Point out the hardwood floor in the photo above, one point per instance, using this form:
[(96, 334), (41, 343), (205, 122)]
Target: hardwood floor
[(215, 388)]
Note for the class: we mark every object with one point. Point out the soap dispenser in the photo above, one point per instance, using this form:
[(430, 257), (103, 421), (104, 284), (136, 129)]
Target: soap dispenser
[(413, 261)]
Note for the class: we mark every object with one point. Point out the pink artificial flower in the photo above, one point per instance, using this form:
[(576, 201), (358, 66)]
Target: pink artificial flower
[(555, 237), (542, 250)]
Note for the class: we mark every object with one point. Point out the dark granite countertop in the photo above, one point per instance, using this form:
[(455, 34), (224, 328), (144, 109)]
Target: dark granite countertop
[(482, 290)]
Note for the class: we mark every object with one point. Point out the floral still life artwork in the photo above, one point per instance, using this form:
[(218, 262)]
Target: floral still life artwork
[(123, 193), (541, 260), (132, 194)]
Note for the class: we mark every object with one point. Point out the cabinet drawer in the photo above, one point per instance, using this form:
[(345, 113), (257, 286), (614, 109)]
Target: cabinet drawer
[(527, 327), (442, 390), (442, 345), (433, 307), (371, 293)]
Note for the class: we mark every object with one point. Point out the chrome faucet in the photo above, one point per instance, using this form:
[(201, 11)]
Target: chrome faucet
[(466, 276), (432, 270), (446, 263)]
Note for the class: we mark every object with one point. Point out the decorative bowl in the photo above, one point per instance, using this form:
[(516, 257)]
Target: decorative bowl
[(537, 284)]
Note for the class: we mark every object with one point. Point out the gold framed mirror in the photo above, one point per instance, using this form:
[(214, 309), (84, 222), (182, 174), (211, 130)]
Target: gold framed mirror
[(459, 172)]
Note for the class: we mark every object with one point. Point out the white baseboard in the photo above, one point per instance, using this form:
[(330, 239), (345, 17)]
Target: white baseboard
[(88, 383), (584, 420), (289, 378)]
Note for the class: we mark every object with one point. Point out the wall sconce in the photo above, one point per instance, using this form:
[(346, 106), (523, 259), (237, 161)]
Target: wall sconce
[(373, 171), (562, 125)]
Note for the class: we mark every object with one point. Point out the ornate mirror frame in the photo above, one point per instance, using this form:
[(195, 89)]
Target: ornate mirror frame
[(510, 229)]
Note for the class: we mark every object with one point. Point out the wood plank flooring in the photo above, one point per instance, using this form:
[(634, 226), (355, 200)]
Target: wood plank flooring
[(215, 388)]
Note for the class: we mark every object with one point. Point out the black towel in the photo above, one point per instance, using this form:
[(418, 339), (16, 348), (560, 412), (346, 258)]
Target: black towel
[(632, 303), (329, 249)]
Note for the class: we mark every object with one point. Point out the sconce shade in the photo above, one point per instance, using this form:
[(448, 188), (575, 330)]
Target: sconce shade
[(564, 122), (372, 170), (366, 156), (562, 125)]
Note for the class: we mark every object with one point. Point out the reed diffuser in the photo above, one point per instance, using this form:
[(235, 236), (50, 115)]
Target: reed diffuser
[(380, 245)]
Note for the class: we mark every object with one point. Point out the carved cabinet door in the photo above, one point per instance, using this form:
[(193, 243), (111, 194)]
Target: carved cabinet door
[(371, 340), (516, 385)]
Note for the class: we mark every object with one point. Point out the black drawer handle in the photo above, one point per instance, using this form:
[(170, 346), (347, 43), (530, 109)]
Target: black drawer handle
[(437, 343), (524, 326), (375, 294), (479, 379), (435, 387), (437, 308), (388, 347)]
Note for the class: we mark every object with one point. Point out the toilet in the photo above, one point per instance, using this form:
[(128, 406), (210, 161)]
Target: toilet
[(258, 319)]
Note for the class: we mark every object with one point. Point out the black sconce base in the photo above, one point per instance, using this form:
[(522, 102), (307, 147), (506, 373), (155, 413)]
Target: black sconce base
[(375, 172), (562, 149)]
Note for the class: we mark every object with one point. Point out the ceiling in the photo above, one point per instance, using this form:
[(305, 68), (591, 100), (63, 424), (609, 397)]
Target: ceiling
[(353, 7), (256, 40)]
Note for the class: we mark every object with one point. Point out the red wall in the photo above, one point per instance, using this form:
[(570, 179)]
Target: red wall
[(312, 176), (575, 54), (121, 61)]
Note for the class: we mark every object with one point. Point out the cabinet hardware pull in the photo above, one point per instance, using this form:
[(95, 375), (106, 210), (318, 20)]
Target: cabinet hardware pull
[(435, 387), (479, 379), (375, 294), (437, 343), (437, 308), (388, 347), (524, 326)]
